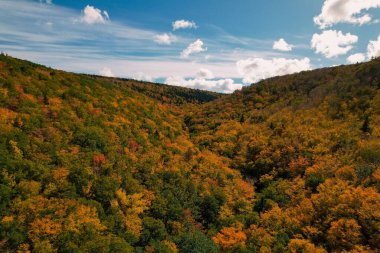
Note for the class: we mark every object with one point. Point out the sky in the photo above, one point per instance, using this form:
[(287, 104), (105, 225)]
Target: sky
[(217, 45)]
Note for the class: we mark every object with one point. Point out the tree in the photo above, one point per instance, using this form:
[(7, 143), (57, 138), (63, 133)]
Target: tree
[(303, 246), (153, 229), (230, 237), (366, 125), (195, 242), (344, 234)]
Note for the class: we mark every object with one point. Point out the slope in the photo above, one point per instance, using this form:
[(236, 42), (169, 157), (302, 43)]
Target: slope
[(90, 164), (165, 93), (310, 144), (94, 164)]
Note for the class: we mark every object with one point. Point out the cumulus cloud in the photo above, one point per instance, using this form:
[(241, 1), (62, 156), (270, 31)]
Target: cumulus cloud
[(333, 43), (195, 47), (256, 69), (345, 11), (355, 58), (141, 76), (165, 39), (282, 45), (204, 80), (205, 73), (220, 85), (106, 72), (92, 15), (374, 48), (183, 24)]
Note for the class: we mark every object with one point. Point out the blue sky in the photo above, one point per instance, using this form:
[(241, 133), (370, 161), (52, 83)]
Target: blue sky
[(218, 45)]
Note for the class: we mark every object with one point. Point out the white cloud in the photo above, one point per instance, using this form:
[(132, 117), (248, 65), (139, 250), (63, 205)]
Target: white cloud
[(195, 47), (282, 45), (374, 48), (141, 76), (355, 58), (89, 48), (165, 39), (256, 69), (220, 85), (183, 24), (106, 15), (92, 15), (46, 1), (205, 74), (106, 72), (333, 43), (345, 11)]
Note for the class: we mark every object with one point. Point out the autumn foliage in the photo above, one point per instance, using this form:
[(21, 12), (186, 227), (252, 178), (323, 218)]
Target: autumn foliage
[(93, 164)]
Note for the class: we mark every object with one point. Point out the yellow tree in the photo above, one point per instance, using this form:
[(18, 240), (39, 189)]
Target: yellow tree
[(344, 234), (130, 207), (303, 246), (230, 237)]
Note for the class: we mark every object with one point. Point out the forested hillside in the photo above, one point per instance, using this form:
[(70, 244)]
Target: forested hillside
[(310, 144), (94, 164), (165, 93)]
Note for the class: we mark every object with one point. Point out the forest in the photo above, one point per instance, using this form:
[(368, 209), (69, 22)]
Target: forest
[(95, 164)]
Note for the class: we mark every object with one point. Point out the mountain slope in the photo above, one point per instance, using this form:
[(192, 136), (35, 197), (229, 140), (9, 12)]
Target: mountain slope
[(165, 93), (94, 164), (310, 142), (88, 165)]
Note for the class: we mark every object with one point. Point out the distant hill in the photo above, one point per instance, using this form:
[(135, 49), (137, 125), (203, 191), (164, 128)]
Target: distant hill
[(96, 164), (166, 93)]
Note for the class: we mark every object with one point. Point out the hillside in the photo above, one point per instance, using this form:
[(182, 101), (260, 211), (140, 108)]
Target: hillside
[(310, 143), (165, 93), (94, 164)]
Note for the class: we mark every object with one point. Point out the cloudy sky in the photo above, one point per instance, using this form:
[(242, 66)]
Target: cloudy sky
[(218, 45)]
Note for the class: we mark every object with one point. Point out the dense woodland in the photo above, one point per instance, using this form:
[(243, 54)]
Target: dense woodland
[(93, 164)]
